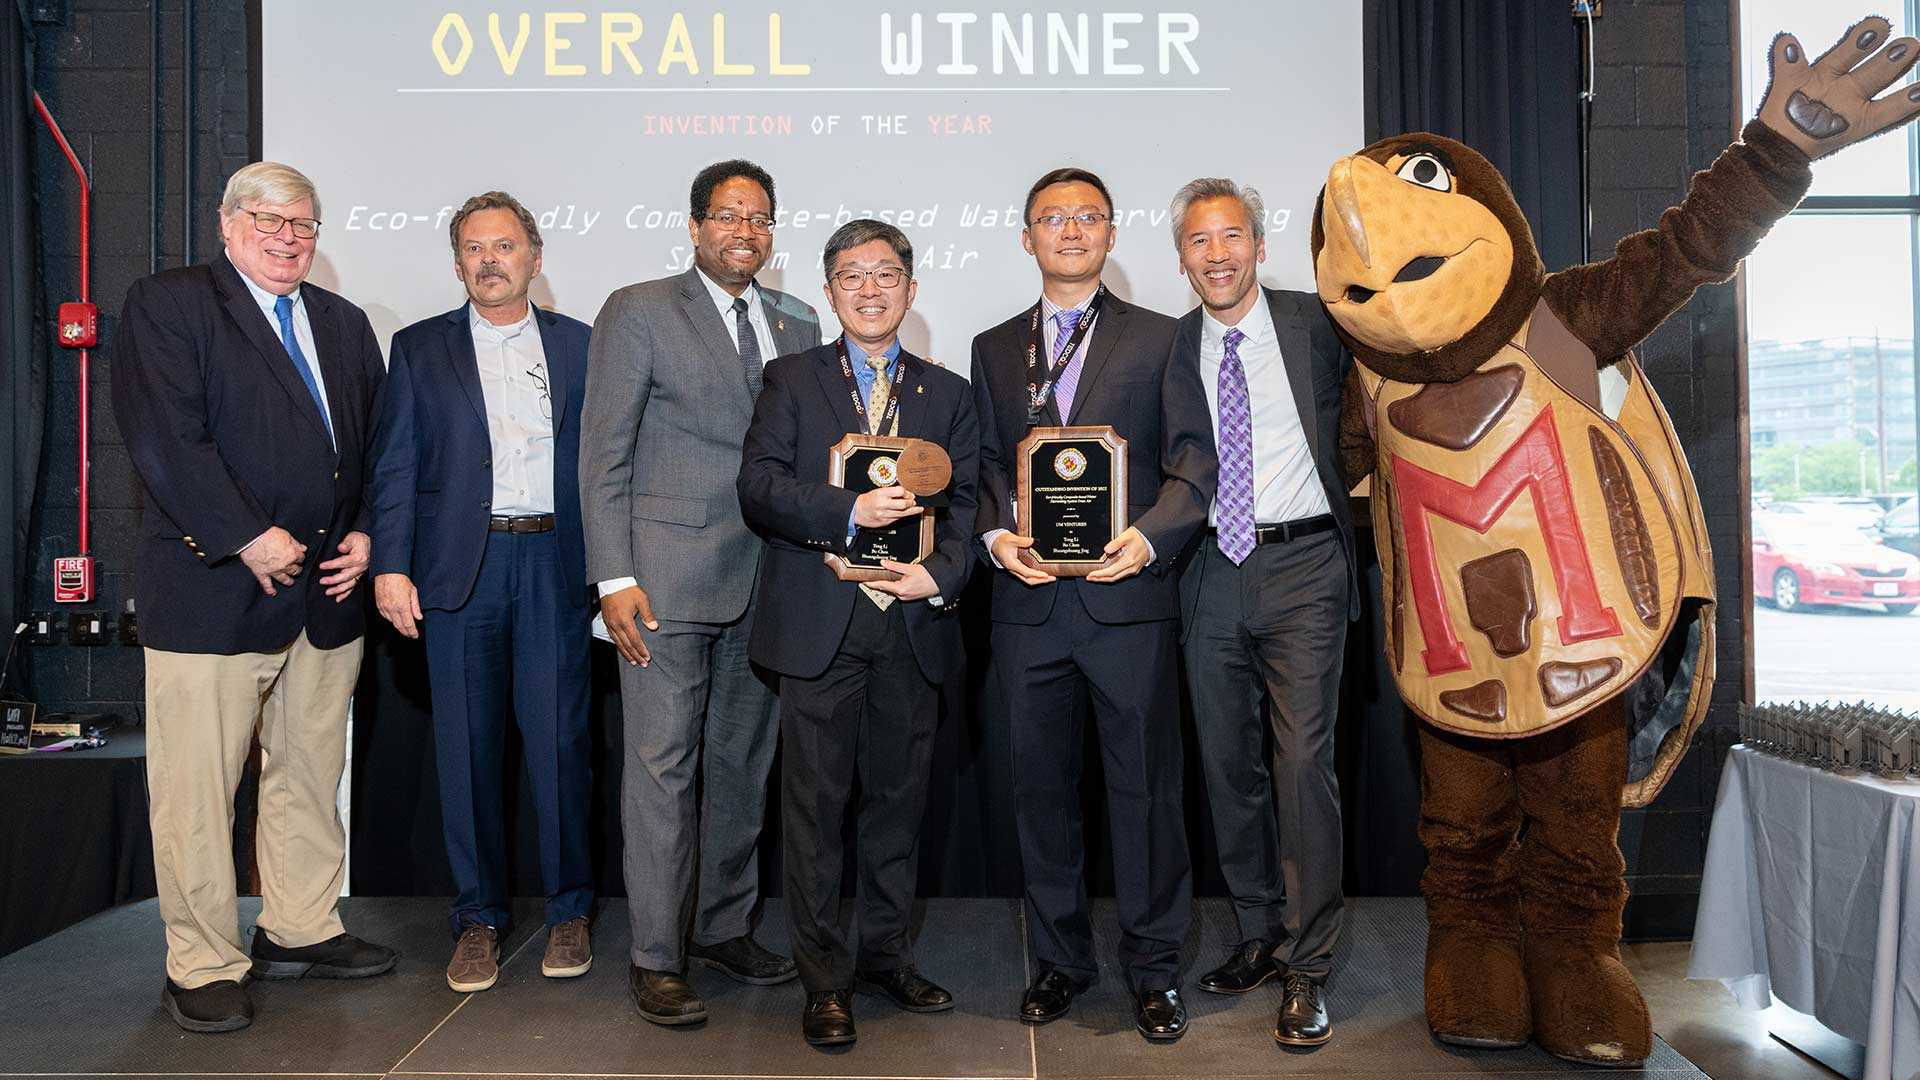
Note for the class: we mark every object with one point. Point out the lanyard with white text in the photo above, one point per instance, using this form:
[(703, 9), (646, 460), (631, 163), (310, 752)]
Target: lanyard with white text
[(891, 417), (1037, 393)]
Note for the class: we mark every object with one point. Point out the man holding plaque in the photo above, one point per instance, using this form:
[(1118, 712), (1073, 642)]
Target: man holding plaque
[(1266, 601), (857, 616), (1107, 449)]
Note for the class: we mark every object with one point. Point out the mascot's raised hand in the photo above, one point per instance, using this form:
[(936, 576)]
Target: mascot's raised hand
[(1830, 103), (1548, 587)]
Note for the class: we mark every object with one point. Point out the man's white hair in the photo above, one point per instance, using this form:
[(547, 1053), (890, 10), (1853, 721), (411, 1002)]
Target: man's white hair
[(267, 182)]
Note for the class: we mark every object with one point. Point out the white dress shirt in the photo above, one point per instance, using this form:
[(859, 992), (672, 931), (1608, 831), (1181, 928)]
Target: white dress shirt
[(1286, 485), (762, 333), (302, 331), (517, 387)]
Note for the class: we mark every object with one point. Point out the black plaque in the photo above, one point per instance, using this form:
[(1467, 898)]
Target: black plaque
[(861, 463), (1073, 496)]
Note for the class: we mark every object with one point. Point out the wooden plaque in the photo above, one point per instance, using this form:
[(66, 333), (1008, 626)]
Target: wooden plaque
[(1072, 484), (861, 463)]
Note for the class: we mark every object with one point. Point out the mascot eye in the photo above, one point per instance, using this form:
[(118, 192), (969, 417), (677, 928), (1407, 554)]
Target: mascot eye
[(1426, 170)]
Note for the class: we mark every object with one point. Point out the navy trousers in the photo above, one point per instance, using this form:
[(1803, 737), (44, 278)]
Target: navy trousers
[(517, 647)]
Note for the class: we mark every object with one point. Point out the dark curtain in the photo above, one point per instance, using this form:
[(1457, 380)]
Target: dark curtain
[(1500, 75), (22, 362)]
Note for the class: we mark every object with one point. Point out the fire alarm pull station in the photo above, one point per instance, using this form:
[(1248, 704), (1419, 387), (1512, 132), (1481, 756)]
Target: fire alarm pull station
[(73, 579)]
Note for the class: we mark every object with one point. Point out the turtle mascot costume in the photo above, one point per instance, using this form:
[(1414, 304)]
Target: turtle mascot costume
[(1548, 588)]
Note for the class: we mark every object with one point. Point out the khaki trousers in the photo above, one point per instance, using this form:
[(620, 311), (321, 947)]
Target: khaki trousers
[(201, 713)]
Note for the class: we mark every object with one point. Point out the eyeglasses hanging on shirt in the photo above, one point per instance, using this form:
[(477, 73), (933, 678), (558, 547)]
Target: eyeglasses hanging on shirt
[(538, 373)]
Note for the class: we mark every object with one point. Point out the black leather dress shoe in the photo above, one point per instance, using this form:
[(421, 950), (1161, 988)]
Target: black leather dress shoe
[(744, 959), (1050, 995), (1303, 1015), (828, 1019), (908, 988), (1250, 966), (665, 997), (342, 956), (1161, 1016), (217, 1006)]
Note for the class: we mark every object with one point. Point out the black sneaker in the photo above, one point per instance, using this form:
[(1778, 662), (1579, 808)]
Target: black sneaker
[(217, 1006), (744, 959), (342, 956)]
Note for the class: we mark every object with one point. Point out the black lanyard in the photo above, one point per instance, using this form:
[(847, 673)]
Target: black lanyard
[(1038, 393), (891, 417)]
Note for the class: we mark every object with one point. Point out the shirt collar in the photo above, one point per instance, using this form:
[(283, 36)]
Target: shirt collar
[(1048, 309), (1257, 324), (723, 300), (512, 330), (262, 297), (859, 359)]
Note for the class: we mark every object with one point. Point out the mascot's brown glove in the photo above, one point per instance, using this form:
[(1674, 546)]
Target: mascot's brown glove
[(1828, 104)]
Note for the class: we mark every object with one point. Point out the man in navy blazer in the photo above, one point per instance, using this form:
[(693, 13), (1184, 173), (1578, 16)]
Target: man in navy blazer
[(245, 394), (860, 666), (477, 545)]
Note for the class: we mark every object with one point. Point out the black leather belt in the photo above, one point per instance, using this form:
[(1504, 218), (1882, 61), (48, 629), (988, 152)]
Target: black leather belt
[(522, 523), (1289, 530)]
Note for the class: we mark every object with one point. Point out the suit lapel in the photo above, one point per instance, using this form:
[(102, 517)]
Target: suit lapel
[(834, 384), (786, 338), (1296, 351), (1107, 331), (466, 365), (333, 371), (911, 386), (697, 304), (559, 377), (254, 327)]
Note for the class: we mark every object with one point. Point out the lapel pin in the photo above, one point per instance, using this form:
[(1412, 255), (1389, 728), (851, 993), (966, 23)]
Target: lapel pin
[(780, 324), (919, 389)]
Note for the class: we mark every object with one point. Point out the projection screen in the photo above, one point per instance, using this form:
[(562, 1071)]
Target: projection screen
[(934, 118)]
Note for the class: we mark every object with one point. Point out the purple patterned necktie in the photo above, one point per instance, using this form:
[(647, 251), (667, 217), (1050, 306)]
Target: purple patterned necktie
[(1233, 527), (1063, 391)]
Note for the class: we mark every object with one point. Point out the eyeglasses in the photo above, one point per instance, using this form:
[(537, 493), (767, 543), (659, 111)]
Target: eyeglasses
[(730, 221), (887, 277), (1088, 219), (538, 373), (305, 228)]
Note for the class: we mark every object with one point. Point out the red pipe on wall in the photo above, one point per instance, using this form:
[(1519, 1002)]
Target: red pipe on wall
[(86, 297)]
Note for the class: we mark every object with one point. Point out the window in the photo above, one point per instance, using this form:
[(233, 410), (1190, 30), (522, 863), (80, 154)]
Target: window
[(1831, 393)]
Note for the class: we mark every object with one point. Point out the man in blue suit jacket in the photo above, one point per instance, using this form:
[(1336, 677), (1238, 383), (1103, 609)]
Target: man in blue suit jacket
[(476, 519)]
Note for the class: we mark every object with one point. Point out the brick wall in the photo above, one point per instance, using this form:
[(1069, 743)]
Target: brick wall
[(92, 67)]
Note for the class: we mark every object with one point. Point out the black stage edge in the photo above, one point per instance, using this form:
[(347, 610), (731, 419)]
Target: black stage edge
[(85, 1002)]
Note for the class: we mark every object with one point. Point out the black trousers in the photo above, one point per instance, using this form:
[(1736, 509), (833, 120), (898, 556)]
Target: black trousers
[(869, 717), (1263, 665), (1131, 672)]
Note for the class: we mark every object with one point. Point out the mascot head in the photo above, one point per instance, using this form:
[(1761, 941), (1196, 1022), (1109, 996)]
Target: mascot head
[(1423, 258)]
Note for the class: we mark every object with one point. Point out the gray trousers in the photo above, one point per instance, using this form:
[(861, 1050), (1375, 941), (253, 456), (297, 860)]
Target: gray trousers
[(1263, 656), (700, 734)]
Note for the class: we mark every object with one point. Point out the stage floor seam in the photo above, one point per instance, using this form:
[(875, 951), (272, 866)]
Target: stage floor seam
[(108, 970)]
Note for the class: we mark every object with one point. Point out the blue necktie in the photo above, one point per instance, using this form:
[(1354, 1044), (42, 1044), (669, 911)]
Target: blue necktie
[(283, 310)]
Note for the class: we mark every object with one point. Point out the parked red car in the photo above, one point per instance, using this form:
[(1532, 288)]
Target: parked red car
[(1801, 562)]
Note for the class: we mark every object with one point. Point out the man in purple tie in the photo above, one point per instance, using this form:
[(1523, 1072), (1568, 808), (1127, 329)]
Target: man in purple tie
[(1082, 356), (1266, 600)]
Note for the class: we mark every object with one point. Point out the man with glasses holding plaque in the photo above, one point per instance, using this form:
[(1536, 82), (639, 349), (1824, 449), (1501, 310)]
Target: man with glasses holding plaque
[(1083, 359), (846, 439), (476, 547), (673, 370)]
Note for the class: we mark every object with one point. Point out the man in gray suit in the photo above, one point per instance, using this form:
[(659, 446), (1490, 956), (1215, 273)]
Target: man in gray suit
[(672, 373)]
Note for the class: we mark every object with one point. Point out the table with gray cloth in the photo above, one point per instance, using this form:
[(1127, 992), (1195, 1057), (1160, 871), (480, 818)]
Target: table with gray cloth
[(1811, 896)]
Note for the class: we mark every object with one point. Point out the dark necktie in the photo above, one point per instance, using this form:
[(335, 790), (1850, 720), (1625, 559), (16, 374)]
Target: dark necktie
[(749, 344)]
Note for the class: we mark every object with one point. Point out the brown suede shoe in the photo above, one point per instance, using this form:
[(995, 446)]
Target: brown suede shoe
[(1477, 988), (476, 959), (569, 952)]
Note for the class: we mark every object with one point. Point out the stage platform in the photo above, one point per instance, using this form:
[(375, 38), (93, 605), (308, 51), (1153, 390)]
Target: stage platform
[(86, 1002)]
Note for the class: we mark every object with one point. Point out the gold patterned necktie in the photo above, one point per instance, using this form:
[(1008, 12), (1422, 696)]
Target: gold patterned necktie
[(877, 399)]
